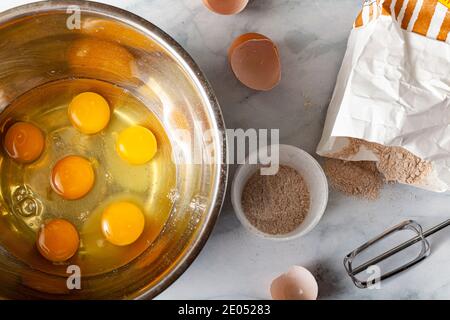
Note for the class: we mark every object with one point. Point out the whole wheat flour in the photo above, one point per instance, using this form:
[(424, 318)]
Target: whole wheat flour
[(354, 178), (395, 164), (276, 204)]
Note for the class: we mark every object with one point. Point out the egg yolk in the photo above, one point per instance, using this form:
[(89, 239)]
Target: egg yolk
[(24, 142), (137, 145), (122, 223), (89, 112), (58, 240), (72, 177)]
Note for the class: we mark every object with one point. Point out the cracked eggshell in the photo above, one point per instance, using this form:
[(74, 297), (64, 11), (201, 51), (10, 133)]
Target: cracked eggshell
[(226, 7), (255, 61), (296, 284)]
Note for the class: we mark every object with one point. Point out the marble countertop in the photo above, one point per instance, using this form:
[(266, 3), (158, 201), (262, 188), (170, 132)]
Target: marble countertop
[(312, 37)]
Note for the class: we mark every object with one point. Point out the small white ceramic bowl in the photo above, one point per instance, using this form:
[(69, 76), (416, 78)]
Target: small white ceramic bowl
[(314, 177)]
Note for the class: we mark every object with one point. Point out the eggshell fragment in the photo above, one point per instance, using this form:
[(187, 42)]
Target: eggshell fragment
[(255, 61), (297, 284), (226, 7)]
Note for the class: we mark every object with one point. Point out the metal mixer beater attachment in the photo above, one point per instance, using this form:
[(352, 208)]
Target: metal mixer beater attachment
[(420, 239)]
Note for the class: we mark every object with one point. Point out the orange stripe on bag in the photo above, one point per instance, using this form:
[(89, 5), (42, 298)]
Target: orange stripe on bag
[(387, 7), (398, 7), (425, 15), (359, 20), (445, 28), (408, 13)]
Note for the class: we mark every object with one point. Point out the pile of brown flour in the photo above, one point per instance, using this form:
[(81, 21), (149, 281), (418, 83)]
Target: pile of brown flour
[(366, 178), (276, 204), (400, 165), (354, 178)]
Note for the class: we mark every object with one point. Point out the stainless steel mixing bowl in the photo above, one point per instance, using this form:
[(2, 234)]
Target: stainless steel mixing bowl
[(54, 40)]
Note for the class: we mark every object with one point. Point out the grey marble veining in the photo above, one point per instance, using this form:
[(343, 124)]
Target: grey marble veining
[(312, 37)]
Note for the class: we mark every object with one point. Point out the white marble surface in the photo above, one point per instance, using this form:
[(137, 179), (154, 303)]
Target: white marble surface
[(311, 35)]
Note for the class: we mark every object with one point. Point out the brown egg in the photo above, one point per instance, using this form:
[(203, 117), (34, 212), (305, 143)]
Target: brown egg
[(255, 61), (226, 7), (297, 284)]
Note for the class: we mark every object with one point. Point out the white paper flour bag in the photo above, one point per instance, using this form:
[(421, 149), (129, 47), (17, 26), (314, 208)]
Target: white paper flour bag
[(393, 88)]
